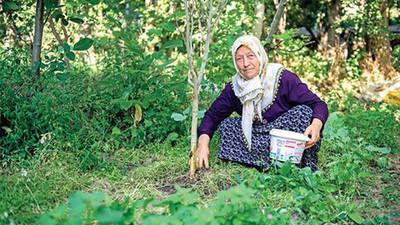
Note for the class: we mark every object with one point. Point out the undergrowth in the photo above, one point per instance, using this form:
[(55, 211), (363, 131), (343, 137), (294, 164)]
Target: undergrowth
[(356, 183)]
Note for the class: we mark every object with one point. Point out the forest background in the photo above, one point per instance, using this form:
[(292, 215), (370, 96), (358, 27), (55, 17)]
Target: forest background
[(108, 109)]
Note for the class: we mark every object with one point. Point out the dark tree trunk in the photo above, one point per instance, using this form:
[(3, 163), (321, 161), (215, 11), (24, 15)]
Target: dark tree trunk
[(37, 40), (333, 14), (380, 44)]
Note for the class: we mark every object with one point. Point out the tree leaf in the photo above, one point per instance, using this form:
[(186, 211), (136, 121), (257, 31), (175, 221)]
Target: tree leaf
[(126, 104), (172, 136), (57, 14), (76, 20), (201, 113), (178, 117), (382, 150), (50, 4), (116, 131), (83, 44), (70, 56), (94, 2), (356, 217), (9, 6), (138, 113), (64, 22), (108, 216), (168, 27), (173, 44)]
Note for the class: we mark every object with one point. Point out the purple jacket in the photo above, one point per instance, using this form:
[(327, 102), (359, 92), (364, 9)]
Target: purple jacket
[(291, 92)]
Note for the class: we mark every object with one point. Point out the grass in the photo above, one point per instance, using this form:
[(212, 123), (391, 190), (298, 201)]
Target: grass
[(354, 178)]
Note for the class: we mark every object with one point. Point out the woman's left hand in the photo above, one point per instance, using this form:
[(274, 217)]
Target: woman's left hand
[(313, 130)]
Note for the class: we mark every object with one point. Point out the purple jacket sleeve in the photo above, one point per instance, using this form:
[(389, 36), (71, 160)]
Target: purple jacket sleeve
[(299, 94), (220, 109)]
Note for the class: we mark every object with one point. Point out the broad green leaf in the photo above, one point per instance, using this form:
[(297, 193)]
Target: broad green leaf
[(47, 220), (77, 207), (83, 44), (168, 27), (64, 22), (178, 117), (173, 44), (356, 217), (382, 150), (108, 216), (172, 136), (62, 76), (67, 48), (148, 123), (76, 20), (50, 4), (200, 114), (57, 14), (9, 6), (70, 56), (116, 131), (126, 104), (94, 2), (134, 131)]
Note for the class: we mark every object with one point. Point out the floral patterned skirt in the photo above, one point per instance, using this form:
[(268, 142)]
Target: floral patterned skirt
[(233, 148)]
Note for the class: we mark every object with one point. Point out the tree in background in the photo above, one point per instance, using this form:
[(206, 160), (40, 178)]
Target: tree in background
[(37, 40), (376, 22)]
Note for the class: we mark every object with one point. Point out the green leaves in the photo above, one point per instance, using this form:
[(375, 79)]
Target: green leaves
[(76, 20), (381, 150), (108, 216), (116, 131), (50, 4), (178, 117), (83, 44), (172, 136), (70, 56), (9, 6), (356, 217), (173, 44), (93, 2), (168, 27)]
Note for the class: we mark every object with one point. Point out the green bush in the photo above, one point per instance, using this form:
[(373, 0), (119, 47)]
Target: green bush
[(129, 101)]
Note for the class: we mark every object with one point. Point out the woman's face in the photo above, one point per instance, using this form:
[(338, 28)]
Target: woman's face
[(247, 62)]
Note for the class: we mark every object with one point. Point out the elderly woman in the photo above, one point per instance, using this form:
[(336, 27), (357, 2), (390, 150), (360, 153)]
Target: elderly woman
[(267, 96)]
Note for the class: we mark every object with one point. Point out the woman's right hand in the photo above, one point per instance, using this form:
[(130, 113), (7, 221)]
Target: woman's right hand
[(203, 152)]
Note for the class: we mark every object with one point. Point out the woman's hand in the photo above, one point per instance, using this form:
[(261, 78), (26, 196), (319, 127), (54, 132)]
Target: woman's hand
[(203, 151), (313, 130)]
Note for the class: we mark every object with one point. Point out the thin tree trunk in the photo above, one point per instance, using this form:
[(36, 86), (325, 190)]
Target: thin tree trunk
[(37, 40), (258, 24), (196, 85), (282, 21), (195, 78), (54, 31), (277, 17), (280, 8)]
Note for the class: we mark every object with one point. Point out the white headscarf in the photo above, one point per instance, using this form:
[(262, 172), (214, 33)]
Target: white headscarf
[(257, 93)]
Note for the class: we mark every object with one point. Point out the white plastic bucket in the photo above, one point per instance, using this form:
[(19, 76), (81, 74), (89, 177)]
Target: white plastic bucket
[(287, 145)]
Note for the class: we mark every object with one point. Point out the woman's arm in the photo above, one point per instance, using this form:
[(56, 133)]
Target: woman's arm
[(299, 94), (221, 108)]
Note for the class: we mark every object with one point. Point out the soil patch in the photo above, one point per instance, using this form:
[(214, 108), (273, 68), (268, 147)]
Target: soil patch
[(183, 181)]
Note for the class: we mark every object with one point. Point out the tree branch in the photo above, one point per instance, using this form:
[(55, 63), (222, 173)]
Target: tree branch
[(277, 17), (53, 30), (207, 44)]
